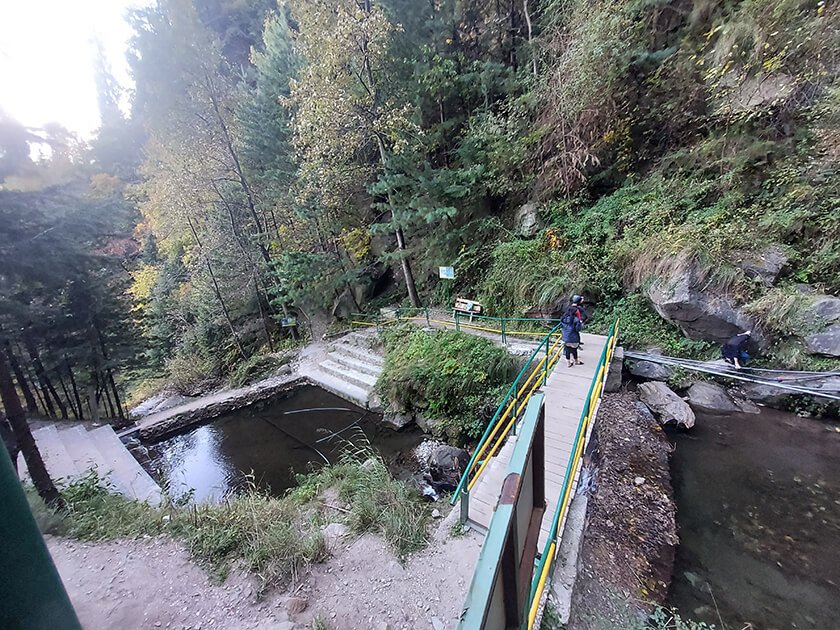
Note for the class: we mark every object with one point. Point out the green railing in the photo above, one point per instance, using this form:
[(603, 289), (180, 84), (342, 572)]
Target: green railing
[(503, 326), (530, 377), (586, 416)]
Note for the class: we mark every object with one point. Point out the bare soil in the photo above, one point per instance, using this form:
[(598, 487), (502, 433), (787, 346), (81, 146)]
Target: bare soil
[(628, 547), (153, 583)]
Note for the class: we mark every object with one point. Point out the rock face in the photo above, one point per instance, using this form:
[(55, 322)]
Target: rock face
[(825, 342), (711, 398), (667, 406), (682, 300), (527, 222), (826, 308), (763, 266), (649, 370)]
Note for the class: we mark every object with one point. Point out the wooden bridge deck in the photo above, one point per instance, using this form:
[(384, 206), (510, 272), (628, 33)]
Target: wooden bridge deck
[(565, 394)]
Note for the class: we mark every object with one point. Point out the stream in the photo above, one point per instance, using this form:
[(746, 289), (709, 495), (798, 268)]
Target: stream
[(273, 441), (758, 513)]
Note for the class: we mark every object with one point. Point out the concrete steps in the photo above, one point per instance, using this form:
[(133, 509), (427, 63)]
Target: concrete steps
[(352, 375), (350, 369), (70, 452)]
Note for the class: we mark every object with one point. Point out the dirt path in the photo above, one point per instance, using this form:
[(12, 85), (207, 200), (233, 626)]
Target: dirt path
[(153, 583)]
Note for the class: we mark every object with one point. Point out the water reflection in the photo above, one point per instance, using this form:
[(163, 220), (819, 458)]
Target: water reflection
[(275, 441)]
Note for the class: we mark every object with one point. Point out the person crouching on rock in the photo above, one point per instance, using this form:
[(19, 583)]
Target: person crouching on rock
[(571, 325), (733, 351)]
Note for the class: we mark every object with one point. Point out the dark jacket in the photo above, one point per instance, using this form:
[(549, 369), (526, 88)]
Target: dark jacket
[(571, 324), (733, 348)]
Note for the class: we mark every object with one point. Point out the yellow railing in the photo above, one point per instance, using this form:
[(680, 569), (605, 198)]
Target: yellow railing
[(575, 459)]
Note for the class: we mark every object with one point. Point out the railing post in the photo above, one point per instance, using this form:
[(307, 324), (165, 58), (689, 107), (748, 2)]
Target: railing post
[(515, 405), (504, 337), (428, 323), (545, 366), (465, 506), (457, 322)]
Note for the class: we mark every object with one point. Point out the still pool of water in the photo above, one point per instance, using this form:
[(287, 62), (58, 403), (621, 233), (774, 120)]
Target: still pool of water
[(758, 511), (272, 440)]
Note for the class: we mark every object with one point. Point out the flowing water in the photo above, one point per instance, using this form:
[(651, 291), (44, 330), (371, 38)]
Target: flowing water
[(758, 511), (273, 440)]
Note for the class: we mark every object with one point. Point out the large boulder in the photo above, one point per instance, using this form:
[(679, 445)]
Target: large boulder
[(684, 300), (649, 370), (826, 342), (527, 222), (667, 406), (763, 266), (711, 398), (448, 457)]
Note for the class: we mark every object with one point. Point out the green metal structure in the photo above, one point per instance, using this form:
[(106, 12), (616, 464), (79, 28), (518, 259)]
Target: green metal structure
[(32, 596)]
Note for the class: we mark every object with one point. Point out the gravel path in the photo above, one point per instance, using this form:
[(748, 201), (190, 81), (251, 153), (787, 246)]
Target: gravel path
[(153, 583)]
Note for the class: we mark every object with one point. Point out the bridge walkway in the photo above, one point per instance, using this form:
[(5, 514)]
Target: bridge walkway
[(565, 395)]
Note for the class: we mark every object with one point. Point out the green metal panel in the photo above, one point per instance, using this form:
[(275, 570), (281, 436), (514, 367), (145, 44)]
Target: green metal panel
[(32, 596), (499, 592)]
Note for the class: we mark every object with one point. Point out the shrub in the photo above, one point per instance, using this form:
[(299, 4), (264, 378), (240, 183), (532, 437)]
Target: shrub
[(449, 376)]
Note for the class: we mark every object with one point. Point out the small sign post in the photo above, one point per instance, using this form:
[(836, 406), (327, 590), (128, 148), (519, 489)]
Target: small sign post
[(447, 273)]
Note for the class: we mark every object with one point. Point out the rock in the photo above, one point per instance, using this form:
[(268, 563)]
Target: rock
[(747, 406), (397, 417), (666, 404), (436, 513), (649, 370), (682, 299), (711, 398), (763, 266), (648, 415), (333, 533), (613, 383), (383, 625), (296, 605), (343, 306), (826, 308), (527, 222), (639, 481), (764, 394), (426, 424), (437, 624), (449, 458), (825, 342)]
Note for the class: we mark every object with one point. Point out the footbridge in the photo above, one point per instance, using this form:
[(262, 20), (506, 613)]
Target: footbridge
[(520, 480), (522, 476)]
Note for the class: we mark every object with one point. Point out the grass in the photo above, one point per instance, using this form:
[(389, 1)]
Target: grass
[(275, 538), (453, 378)]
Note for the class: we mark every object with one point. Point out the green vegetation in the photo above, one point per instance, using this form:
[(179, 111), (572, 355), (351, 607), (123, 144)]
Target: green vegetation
[(282, 160), (276, 538), (257, 367), (454, 379)]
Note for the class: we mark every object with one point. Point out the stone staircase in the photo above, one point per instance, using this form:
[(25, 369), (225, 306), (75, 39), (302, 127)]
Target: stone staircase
[(349, 369), (72, 451)]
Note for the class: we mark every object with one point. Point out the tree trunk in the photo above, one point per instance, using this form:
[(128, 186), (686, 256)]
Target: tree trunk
[(66, 394), (17, 419), (46, 384), (75, 389), (31, 405), (116, 393), (373, 90), (109, 406), (92, 400)]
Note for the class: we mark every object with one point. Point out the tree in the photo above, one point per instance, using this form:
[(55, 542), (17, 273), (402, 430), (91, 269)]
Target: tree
[(347, 123)]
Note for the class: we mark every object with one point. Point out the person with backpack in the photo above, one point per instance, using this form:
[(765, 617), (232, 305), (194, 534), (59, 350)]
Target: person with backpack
[(571, 324)]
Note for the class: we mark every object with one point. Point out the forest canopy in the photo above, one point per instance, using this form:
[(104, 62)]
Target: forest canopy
[(313, 158)]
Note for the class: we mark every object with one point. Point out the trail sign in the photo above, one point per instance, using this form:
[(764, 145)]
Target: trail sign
[(447, 273)]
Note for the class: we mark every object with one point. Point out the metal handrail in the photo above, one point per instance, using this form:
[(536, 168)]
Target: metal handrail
[(589, 407), (509, 402)]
